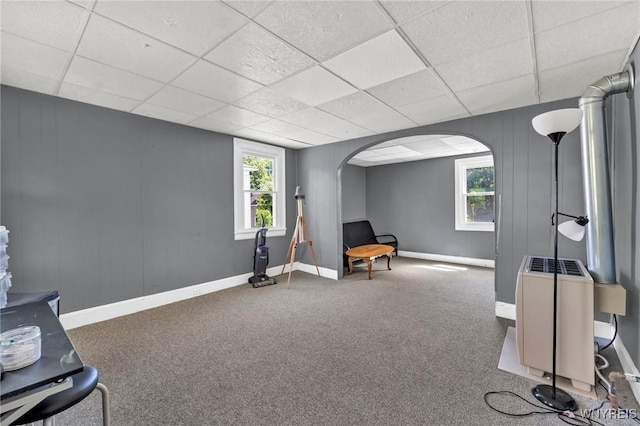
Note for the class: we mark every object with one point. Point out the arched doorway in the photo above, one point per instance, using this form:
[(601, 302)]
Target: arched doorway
[(407, 187)]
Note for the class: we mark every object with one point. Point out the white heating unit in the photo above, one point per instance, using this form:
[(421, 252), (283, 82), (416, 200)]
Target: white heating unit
[(534, 319)]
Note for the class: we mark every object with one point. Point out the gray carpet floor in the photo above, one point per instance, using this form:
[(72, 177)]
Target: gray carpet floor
[(414, 346)]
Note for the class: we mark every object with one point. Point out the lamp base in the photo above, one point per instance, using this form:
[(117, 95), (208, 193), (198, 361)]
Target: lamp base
[(561, 402)]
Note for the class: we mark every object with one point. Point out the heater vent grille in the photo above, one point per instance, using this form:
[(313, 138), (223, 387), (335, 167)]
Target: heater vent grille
[(565, 266)]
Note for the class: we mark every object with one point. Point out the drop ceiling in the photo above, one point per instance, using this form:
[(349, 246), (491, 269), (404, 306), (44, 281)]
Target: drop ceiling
[(298, 74), (415, 148)]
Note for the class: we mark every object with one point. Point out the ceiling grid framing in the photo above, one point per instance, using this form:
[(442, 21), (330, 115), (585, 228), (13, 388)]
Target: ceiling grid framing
[(460, 83)]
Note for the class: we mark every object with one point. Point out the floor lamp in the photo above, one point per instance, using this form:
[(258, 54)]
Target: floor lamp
[(554, 125)]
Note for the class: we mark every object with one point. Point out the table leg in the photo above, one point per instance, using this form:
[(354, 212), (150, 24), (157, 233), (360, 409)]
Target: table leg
[(368, 260), (389, 261), (350, 262)]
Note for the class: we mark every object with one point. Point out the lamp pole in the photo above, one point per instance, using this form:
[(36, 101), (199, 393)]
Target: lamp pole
[(555, 272), (554, 125)]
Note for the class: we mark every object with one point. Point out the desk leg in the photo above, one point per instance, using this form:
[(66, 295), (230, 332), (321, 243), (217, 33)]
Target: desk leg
[(389, 261), (368, 260), (350, 263)]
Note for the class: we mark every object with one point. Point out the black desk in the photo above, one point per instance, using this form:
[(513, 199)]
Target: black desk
[(59, 358)]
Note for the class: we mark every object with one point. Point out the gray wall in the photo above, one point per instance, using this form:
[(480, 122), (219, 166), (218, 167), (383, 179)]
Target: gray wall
[(415, 201), (523, 161), (354, 197), (106, 206), (624, 143)]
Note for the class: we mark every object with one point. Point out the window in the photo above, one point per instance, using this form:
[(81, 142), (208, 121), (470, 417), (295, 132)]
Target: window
[(475, 194), (259, 181)]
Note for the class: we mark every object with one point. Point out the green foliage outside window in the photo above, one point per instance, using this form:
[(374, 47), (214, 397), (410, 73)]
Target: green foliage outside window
[(261, 179), (480, 208)]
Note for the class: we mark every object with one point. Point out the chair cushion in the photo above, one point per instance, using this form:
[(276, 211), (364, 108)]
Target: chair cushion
[(83, 384), (358, 233)]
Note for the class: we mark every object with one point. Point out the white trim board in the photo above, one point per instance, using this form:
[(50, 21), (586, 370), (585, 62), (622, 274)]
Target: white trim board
[(131, 306), (485, 263), (600, 329)]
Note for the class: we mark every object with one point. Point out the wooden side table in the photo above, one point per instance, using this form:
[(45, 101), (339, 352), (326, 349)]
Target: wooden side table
[(367, 253)]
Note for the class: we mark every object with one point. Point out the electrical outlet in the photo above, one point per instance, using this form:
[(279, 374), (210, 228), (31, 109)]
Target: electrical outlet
[(197, 291)]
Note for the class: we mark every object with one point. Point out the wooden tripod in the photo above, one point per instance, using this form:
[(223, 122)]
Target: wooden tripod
[(300, 235)]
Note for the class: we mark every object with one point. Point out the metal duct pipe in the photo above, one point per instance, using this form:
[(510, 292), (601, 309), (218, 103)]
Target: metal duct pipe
[(595, 173)]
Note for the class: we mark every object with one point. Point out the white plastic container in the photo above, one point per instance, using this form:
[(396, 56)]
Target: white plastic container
[(19, 347)]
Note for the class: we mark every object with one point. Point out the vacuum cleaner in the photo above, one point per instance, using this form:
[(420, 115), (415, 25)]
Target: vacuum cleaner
[(261, 260)]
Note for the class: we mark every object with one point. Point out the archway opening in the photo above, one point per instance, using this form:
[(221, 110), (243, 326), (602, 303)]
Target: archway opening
[(435, 193)]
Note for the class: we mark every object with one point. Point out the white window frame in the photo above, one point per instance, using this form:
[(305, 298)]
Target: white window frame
[(461, 167), (242, 147)]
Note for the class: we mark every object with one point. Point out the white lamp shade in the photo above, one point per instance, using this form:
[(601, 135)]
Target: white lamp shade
[(572, 230), (560, 120)]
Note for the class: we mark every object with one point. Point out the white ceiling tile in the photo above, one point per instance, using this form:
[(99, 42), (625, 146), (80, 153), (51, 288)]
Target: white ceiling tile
[(195, 26), (508, 94), (454, 140), (428, 145), (271, 103), (408, 140), (409, 156), (551, 14), (389, 160), (402, 11), (288, 143), (94, 75), (54, 23), (248, 8), (381, 122), (572, 80), (25, 80), (209, 123), (392, 142), (322, 29), (566, 44), (320, 121), (161, 113), (129, 50), (368, 154), (356, 162), (355, 105), (392, 150), (266, 137), (464, 28), (210, 80), (35, 58), (87, 4), (239, 116), (313, 138), (434, 110), (182, 100), (421, 86), (379, 60), (314, 86), (256, 54), (95, 97), (501, 63), (277, 127)]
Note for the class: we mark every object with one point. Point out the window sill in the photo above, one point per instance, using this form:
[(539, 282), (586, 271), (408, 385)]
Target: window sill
[(251, 233), (475, 228)]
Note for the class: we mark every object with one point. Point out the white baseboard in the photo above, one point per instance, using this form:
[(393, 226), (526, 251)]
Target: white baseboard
[(627, 365), (600, 329), (485, 263), (506, 310), (126, 307), (324, 272)]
